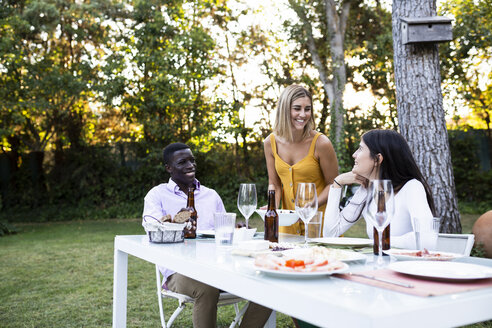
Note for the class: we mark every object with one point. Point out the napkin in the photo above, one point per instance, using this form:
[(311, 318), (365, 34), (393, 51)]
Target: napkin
[(422, 287)]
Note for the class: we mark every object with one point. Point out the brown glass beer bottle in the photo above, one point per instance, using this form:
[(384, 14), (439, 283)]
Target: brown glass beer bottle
[(386, 231), (271, 219), (386, 240), (190, 206)]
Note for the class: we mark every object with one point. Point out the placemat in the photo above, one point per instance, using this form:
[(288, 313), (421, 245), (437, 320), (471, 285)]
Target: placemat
[(421, 287)]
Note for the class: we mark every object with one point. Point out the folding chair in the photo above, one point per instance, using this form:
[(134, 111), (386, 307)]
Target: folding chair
[(224, 299), (455, 243)]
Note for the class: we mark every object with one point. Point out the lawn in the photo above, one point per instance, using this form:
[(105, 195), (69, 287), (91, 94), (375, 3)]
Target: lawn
[(61, 275)]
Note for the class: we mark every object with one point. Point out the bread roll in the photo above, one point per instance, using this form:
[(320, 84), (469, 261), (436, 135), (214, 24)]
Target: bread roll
[(166, 218), (182, 217)]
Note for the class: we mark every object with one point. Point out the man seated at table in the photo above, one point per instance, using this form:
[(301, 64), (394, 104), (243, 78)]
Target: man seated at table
[(170, 198)]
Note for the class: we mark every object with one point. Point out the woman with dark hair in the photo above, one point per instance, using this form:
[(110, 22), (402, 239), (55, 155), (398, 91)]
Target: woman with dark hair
[(382, 154), (295, 152)]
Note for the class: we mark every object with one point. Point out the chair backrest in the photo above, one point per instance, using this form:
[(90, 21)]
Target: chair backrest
[(455, 243)]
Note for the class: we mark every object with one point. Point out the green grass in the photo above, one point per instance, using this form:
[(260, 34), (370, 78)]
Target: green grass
[(61, 275)]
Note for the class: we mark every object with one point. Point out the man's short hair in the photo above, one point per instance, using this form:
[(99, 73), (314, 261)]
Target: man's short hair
[(168, 152)]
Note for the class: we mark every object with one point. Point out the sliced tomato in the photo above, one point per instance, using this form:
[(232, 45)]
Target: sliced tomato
[(292, 263), (318, 264)]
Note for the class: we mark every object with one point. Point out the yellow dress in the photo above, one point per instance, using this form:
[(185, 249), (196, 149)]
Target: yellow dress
[(306, 170)]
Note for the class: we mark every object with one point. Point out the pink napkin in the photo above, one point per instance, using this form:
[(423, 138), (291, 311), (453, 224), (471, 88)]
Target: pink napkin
[(422, 287)]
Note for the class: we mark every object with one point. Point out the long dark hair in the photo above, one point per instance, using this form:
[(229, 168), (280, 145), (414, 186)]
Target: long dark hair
[(398, 164)]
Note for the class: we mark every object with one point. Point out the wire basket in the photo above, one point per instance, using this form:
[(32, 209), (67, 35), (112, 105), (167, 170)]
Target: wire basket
[(159, 232), (166, 236)]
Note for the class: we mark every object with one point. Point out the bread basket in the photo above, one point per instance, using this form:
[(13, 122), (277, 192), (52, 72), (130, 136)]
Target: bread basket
[(166, 232)]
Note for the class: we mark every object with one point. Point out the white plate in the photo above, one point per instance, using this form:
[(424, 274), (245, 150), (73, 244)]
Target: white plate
[(338, 254), (285, 217), (206, 233), (442, 270), (409, 255), (343, 241), (289, 274)]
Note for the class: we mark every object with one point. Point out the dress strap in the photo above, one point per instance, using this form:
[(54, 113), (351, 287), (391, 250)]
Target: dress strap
[(274, 145), (313, 143)]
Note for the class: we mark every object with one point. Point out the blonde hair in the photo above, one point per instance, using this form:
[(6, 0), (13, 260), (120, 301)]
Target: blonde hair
[(282, 126)]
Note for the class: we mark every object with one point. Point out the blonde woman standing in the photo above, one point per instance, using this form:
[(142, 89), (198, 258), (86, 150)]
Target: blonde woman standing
[(296, 153)]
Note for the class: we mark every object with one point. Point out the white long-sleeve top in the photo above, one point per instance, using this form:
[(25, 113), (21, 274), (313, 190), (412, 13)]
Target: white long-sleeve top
[(410, 203)]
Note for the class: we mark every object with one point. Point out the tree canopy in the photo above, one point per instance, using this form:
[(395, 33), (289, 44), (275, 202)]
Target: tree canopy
[(81, 74)]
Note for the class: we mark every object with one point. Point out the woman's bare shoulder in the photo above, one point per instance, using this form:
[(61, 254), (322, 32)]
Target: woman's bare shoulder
[(267, 141), (324, 143)]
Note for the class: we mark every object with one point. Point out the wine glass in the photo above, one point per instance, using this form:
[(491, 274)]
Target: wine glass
[(306, 204), (246, 200), (379, 209)]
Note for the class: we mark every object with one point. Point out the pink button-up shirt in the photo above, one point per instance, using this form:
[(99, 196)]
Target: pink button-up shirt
[(167, 198)]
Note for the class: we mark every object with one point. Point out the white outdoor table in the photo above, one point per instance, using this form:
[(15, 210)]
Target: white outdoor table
[(323, 301)]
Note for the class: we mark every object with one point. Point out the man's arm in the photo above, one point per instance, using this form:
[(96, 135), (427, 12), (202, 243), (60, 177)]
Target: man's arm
[(152, 207), (219, 205)]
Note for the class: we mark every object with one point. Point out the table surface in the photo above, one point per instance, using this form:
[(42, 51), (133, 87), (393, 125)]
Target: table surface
[(321, 301)]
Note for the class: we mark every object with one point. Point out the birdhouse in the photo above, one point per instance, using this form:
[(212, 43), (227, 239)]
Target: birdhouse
[(426, 29)]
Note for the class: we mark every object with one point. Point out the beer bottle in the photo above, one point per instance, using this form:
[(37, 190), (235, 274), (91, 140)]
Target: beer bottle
[(386, 231), (271, 219), (386, 240), (190, 206)]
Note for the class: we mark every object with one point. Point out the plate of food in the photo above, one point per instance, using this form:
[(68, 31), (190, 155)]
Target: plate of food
[(425, 255), (304, 263), (343, 241), (442, 270), (285, 217), (329, 253)]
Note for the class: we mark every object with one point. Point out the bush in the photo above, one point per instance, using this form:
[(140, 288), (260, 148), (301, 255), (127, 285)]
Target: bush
[(7, 229), (109, 182), (94, 183), (472, 184)]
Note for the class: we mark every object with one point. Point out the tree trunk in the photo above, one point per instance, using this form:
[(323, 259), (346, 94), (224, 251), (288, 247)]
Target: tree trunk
[(336, 34), (336, 21), (420, 111)]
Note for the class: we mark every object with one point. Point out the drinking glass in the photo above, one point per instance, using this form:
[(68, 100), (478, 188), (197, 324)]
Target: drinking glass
[(314, 226), (246, 200), (224, 224), (379, 209), (306, 204), (426, 232)]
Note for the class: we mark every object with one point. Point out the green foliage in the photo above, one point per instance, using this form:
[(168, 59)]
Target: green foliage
[(368, 39), (97, 183), (476, 206), (472, 184), (78, 74), (169, 53), (7, 229), (220, 169), (94, 184), (49, 70), (372, 44), (466, 60), (478, 250)]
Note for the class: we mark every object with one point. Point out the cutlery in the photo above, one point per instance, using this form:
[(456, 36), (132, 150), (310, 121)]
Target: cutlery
[(388, 281)]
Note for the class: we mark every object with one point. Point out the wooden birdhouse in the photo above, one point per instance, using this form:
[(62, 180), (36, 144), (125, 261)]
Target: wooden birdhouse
[(426, 29)]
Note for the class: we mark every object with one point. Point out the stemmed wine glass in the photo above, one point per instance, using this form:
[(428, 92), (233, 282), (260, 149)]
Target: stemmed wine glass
[(306, 204), (379, 209), (246, 200)]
